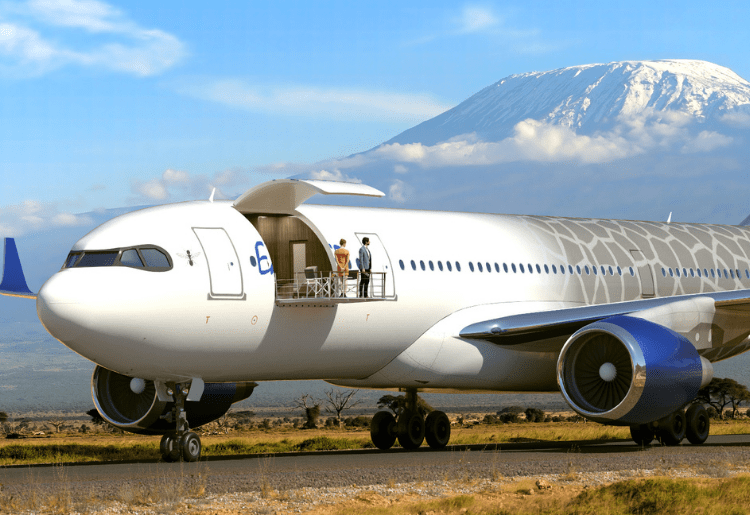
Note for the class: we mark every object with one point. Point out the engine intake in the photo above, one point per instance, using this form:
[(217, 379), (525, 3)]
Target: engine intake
[(142, 412), (626, 370)]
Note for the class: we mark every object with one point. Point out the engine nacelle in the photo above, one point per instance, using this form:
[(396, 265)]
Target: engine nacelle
[(625, 370), (142, 412)]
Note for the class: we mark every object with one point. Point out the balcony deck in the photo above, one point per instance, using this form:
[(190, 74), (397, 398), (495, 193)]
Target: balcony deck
[(318, 289)]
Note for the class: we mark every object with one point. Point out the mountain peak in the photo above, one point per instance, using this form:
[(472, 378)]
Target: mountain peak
[(591, 98)]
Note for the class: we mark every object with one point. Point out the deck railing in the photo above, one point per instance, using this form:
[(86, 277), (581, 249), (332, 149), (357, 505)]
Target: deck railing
[(329, 286)]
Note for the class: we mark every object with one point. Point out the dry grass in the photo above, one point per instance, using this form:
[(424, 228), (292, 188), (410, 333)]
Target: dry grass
[(103, 447)]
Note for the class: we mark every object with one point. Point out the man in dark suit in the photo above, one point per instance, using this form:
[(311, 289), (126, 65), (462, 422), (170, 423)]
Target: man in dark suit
[(365, 265)]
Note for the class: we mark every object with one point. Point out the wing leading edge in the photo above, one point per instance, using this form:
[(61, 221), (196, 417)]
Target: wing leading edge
[(14, 282), (516, 330)]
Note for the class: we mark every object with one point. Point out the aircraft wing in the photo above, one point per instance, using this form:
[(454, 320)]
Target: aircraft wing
[(14, 283), (516, 330)]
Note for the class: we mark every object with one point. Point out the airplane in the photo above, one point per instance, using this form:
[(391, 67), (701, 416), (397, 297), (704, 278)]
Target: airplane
[(184, 307)]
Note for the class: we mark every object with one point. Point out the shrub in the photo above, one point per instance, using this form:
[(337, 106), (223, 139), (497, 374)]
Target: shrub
[(534, 415)]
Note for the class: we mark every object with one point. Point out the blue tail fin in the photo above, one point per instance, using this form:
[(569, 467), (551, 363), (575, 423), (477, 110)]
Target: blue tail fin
[(14, 283)]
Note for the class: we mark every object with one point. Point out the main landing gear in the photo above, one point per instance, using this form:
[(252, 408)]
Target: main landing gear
[(672, 429), (183, 443), (411, 428)]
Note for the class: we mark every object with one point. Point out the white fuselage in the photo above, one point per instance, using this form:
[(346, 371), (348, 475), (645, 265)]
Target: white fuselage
[(215, 315)]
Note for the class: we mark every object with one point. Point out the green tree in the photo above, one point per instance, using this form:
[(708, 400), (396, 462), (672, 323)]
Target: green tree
[(3, 417), (723, 392)]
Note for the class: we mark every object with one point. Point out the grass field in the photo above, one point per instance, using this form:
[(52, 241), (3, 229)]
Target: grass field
[(93, 447)]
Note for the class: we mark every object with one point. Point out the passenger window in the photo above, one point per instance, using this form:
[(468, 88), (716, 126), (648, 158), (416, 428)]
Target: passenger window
[(458, 266), (497, 268), (570, 269), (594, 269), (505, 267), (684, 272), (632, 272), (699, 272), (471, 266), (713, 273), (448, 264), (489, 268), (432, 266), (726, 275), (154, 258), (421, 265), (479, 266), (413, 265), (610, 271), (677, 271), (400, 262), (671, 274), (619, 271), (520, 265), (546, 269), (578, 269), (604, 272), (131, 258), (513, 265), (440, 265), (731, 272), (554, 269), (692, 273), (705, 272), (91, 259), (531, 269), (538, 269), (663, 272), (587, 269), (253, 262)]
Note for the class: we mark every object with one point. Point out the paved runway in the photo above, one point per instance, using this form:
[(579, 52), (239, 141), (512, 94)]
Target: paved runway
[(362, 467)]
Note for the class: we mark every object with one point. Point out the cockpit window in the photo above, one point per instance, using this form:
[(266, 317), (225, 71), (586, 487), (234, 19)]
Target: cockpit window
[(97, 259), (154, 258), (71, 260), (130, 257), (145, 258)]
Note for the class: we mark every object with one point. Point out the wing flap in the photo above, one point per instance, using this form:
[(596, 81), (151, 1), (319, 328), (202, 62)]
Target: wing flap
[(14, 282)]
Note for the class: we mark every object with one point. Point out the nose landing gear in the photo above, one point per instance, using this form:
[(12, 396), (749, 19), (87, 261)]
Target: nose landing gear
[(411, 428), (183, 443)]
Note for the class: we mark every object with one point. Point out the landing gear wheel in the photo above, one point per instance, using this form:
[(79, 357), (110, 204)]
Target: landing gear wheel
[(698, 424), (382, 430), (190, 444), (410, 430), (437, 429), (642, 435), (672, 428), (167, 448)]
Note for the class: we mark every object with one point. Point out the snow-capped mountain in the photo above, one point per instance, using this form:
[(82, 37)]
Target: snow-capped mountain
[(591, 98)]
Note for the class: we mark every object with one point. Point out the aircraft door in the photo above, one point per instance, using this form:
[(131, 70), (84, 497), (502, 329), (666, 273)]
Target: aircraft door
[(224, 270), (644, 273), (381, 263)]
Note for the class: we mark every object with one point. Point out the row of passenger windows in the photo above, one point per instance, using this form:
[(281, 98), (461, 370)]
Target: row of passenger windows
[(580, 270), (706, 272), (517, 268)]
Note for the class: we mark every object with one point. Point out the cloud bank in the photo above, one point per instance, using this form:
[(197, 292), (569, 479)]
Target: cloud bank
[(100, 36)]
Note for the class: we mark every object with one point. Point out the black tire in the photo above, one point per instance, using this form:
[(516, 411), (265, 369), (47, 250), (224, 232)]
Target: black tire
[(698, 424), (642, 435), (672, 428), (437, 429), (410, 430), (382, 430), (167, 448), (190, 445)]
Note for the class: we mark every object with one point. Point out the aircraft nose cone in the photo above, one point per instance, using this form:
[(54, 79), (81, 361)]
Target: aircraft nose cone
[(58, 308)]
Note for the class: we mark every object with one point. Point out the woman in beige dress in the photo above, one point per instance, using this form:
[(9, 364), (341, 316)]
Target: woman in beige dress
[(342, 263)]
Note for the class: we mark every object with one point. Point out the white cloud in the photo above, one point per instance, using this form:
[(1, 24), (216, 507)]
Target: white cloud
[(178, 185), (121, 45), (737, 118), (535, 140), (154, 189), (32, 215), (334, 103), (397, 191), (399, 168), (335, 175), (477, 19)]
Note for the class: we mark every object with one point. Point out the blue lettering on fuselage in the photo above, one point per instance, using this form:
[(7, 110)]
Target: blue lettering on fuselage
[(260, 258)]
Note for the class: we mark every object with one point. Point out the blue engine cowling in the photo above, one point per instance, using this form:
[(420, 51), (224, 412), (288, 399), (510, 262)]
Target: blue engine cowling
[(142, 412), (625, 370)]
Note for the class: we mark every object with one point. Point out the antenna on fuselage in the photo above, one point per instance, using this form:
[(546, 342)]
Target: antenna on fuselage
[(669, 219), (211, 198)]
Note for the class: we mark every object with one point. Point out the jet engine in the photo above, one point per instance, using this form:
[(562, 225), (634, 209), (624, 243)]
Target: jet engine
[(625, 370), (143, 412)]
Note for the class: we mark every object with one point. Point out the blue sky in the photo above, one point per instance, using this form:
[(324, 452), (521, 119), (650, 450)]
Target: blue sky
[(130, 103)]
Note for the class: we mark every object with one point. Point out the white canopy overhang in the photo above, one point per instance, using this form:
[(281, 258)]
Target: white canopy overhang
[(283, 196)]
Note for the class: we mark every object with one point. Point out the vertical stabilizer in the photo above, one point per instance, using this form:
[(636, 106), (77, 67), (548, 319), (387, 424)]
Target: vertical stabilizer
[(14, 283)]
